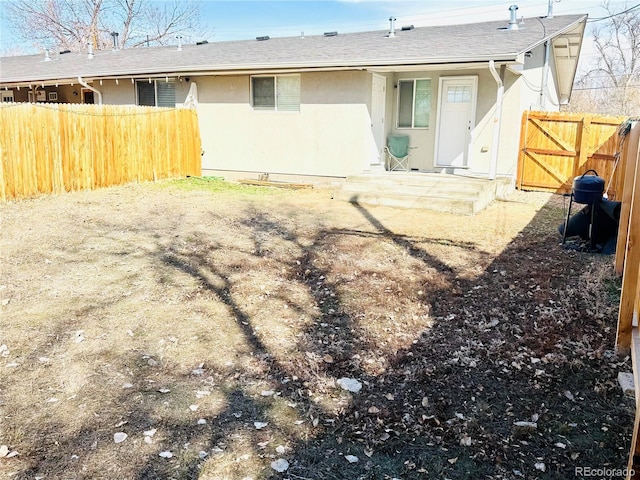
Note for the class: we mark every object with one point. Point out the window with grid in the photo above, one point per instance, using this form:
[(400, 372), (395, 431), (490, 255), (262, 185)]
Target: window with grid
[(414, 103), (280, 93), (158, 93)]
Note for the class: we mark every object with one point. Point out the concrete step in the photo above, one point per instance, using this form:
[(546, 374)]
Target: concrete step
[(438, 192), (459, 205), (419, 179), (451, 190)]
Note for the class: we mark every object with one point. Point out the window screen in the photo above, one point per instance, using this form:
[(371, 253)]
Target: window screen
[(414, 103), (405, 103), (264, 93), (288, 93), (158, 93), (146, 94), (281, 93), (166, 93)]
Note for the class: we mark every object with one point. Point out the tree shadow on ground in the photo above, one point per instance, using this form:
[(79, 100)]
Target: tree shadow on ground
[(448, 364)]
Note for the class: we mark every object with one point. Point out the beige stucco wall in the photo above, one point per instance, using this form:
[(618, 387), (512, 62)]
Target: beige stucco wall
[(329, 136), (532, 73), (482, 134)]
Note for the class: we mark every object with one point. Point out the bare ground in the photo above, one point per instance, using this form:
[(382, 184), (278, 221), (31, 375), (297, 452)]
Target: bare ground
[(182, 313)]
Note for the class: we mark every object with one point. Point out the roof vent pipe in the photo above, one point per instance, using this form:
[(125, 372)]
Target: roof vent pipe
[(47, 57), (89, 50), (179, 37), (513, 20), (115, 40), (392, 27), (550, 9)]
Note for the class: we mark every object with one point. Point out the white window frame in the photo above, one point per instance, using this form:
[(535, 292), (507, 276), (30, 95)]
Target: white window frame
[(413, 104), (155, 90), (7, 96), (275, 93)]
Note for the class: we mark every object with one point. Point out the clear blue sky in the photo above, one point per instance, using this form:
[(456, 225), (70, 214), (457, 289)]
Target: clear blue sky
[(248, 19), (232, 20)]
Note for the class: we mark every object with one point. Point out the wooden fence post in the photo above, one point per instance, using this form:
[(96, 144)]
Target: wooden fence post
[(521, 154), (631, 242), (581, 147), (629, 153)]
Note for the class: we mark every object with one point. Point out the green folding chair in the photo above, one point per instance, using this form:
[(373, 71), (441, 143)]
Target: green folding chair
[(398, 153)]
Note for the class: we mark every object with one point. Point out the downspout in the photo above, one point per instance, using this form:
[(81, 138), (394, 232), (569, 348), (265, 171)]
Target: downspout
[(497, 120), (86, 85), (545, 74)]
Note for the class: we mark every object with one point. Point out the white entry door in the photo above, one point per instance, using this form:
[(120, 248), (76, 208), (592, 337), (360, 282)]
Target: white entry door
[(456, 120), (378, 100)]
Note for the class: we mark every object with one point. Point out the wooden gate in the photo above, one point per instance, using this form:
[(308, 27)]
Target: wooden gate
[(556, 147)]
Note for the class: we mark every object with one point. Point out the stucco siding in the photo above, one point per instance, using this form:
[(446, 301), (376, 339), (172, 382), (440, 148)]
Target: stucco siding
[(122, 94), (329, 136), (482, 144), (423, 157)]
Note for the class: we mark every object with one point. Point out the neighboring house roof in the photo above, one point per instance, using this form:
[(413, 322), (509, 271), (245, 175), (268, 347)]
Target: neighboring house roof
[(451, 44)]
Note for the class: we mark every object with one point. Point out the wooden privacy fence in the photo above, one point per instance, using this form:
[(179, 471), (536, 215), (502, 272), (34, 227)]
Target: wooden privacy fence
[(53, 148), (557, 147), (627, 263)]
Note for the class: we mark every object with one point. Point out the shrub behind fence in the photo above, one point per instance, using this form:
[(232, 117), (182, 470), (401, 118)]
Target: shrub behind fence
[(53, 148)]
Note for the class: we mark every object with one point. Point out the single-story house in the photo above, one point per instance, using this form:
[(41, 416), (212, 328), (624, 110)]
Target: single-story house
[(325, 105)]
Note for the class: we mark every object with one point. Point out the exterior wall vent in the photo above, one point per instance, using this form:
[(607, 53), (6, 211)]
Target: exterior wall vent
[(330, 34), (262, 39)]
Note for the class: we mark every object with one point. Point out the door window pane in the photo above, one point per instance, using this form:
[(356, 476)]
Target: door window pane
[(459, 94)]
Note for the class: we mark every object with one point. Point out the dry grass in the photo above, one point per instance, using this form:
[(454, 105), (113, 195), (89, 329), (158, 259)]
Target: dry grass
[(179, 306)]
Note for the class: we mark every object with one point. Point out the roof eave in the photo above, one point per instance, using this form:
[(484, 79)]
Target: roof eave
[(228, 69), (557, 33)]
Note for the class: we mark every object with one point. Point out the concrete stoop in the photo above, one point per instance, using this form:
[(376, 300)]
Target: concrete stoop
[(430, 191)]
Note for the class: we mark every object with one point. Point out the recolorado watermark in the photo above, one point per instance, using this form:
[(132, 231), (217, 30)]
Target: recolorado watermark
[(603, 472)]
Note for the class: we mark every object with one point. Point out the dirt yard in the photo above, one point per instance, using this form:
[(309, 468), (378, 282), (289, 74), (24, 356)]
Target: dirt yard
[(197, 330)]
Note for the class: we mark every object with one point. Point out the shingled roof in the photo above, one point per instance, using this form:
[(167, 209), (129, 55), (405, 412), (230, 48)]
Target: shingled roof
[(450, 44)]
